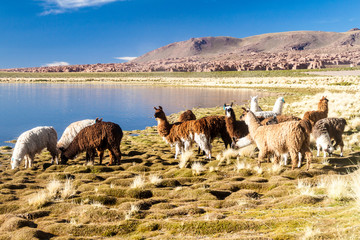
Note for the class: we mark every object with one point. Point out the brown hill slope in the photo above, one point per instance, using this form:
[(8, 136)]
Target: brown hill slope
[(272, 42)]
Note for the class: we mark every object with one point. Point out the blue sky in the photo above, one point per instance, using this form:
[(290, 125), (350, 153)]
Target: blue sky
[(41, 32)]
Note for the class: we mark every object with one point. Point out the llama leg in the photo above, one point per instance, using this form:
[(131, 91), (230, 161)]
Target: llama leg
[(26, 161), (341, 148), (300, 157), (308, 155), (101, 155), (261, 157), (117, 155), (177, 150), (285, 156), (318, 149), (294, 157)]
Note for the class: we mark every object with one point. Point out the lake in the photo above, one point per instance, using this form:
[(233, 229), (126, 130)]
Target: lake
[(25, 105)]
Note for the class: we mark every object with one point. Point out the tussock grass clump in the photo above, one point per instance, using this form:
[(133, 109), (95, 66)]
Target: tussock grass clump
[(305, 188), (184, 159), (197, 168), (139, 182), (355, 186), (54, 190), (155, 179)]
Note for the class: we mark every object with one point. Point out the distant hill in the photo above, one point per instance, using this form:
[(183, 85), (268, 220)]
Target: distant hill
[(270, 43), (272, 51)]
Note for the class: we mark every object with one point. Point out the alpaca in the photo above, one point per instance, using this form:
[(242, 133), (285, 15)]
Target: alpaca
[(278, 139), (322, 112), (186, 116), (101, 136), (277, 109), (183, 134), (327, 129), (32, 142), (236, 129)]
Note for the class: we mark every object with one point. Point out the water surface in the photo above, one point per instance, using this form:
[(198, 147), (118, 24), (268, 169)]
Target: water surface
[(25, 105)]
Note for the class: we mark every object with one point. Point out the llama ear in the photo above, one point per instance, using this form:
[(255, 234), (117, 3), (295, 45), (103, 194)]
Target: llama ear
[(160, 107), (231, 104), (155, 108), (224, 106)]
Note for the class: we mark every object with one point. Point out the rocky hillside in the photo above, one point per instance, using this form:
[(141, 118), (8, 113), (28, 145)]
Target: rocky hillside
[(273, 51), (269, 43)]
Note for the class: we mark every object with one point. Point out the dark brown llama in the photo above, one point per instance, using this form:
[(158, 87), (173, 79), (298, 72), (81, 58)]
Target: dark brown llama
[(99, 136), (236, 129)]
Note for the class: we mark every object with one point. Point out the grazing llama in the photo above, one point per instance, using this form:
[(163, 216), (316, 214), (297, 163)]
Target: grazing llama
[(101, 136), (73, 129), (277, 109), (279, 139), (32, 142), (236, 129), (328, 129), (183, 134), (322, 112)]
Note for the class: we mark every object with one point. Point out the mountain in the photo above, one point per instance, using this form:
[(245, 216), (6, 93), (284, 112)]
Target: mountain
[(272, 51), (208, 47)]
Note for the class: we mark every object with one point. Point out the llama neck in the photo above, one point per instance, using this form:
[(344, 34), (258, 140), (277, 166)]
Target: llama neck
[(230, 122), (252, 123), (278, 106), (72, 150), (254, 105), (323, 107), (163, 127)]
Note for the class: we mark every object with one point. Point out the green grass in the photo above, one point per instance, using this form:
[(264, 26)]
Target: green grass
[(92, 76)]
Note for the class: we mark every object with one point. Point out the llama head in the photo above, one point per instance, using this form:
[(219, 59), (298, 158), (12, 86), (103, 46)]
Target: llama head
[(159, 113), (63, 158), (324, 141), (15, 162), (272, 121), (254, 104), (228, 110), (323, 104), (245, 116)]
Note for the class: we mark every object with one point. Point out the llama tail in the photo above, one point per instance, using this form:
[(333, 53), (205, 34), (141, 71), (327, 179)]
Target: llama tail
[(242, 142)]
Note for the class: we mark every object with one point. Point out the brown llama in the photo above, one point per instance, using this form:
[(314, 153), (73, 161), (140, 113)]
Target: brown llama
[(99, 136), (279, 139), (186, 116), (236, 129), (328, 129), (183, 134), (322, 112)]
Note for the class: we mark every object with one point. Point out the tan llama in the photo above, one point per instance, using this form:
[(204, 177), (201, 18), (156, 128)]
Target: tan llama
[(279, 139)]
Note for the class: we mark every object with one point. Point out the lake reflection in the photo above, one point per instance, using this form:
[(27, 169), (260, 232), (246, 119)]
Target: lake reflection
[(25, 106)]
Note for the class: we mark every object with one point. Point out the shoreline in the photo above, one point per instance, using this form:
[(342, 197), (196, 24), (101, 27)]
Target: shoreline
[(331, 83)]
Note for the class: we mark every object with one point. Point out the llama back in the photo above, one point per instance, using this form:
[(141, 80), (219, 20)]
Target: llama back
[(34, 140), (279, 137), (333, 126), (72, 130), (186, 116), (98, 135)]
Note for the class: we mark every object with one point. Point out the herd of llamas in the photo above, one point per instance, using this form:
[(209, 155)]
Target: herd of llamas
[(274, 134)]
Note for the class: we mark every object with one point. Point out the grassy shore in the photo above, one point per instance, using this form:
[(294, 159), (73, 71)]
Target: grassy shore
[(152, 195)]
